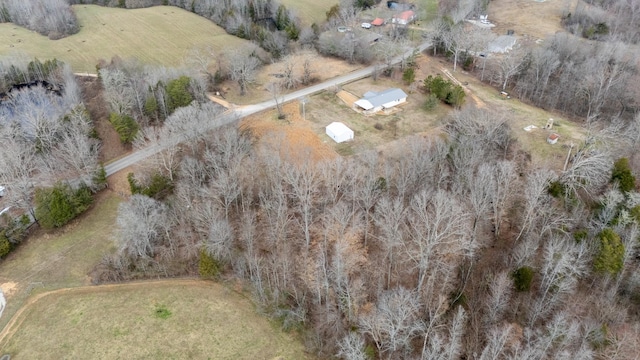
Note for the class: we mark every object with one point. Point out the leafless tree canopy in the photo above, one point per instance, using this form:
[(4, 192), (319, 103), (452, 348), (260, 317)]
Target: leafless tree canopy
[(53, 18)]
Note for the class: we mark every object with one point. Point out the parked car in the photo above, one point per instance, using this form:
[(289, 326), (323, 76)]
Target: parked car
[(366, 25)]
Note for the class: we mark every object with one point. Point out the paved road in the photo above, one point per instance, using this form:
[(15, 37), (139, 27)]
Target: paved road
[(241, 112)]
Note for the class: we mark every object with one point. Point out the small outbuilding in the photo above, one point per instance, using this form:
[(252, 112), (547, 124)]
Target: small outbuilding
[(553, 138), (377, 22), (373, 102), (339, 132), (1, 191)]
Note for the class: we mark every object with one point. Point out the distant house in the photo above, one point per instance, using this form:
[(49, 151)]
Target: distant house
[(1, 191), (404, 18), (339, 132), (373, 102), (553, 138), (502, 44), (377, 22)]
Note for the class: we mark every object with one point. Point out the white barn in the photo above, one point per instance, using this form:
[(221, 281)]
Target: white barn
[(373, 102), (339, 132)]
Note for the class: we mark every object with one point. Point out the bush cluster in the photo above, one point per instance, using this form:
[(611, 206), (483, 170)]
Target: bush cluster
[(445, 90), (58, 205)]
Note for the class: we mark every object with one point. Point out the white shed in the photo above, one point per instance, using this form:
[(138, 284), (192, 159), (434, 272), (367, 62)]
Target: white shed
[(1, 191), (339, 132)]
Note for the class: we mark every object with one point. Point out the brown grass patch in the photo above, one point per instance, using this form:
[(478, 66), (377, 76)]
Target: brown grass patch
[(323, 68), (291, 136), (528, 18)]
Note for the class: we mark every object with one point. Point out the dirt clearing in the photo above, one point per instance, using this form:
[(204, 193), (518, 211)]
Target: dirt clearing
[(292, 136)]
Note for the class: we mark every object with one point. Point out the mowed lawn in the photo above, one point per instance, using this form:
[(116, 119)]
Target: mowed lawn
[(164, 320), (59, 258), (160, 35)]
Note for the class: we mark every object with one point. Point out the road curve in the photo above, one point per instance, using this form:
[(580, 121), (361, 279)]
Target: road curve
[(244, 111)]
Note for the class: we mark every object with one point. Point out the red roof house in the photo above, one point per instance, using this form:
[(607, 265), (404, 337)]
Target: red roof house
[(404, 17)]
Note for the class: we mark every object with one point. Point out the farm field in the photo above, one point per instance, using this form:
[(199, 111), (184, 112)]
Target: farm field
[(173, 319), (310, 11), (139, 33), (533, 19)]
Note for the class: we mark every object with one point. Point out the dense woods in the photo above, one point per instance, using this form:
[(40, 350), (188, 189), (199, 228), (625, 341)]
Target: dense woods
[(449, 247)]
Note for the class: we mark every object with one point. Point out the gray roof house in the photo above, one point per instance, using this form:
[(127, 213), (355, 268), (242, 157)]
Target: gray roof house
[(373, 102)]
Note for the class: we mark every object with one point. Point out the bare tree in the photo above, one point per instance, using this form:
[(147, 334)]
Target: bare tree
[(352, 347), (242, 65), (275, 89), (563, 263), (143, 224), (394, 322), (497, 343), (439, 228), (509, 65)]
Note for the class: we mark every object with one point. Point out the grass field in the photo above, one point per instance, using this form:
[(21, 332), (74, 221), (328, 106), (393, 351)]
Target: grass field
[(61, 258), (310, 11), (163, 320), (157, 35)]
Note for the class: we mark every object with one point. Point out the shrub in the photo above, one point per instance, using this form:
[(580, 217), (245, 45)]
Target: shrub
[(409, 76), (522, 278), (162, 312), (445, 90), (622, 175), (126, 127), (208, 267), (610, 256), (580, 235), (556, 189), (5, 245), (100, 177), (159, 186), (431, 102), (178, 93), (58, 205)]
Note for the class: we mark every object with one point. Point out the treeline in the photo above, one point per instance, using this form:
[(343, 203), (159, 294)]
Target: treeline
[(277, 29), (593, 80), (451, 246), (609, 20), (598, 81), (52, 18)]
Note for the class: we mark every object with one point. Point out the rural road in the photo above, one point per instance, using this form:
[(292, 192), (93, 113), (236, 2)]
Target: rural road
[(237, 114)]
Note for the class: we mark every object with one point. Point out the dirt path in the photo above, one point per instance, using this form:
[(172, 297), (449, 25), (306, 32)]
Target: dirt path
[(220, 101), (14, 324)]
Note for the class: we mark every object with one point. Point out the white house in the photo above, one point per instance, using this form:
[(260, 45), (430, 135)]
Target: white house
[(553, 138), (373, 102), (339, 132), (1, 191), (404, 18)]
